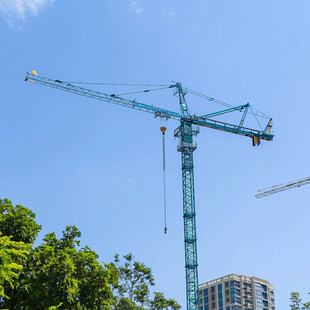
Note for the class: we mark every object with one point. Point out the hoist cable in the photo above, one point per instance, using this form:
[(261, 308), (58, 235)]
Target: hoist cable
[(256, 114), (163, 129), (119, 84), (143, 91), (256, 119)]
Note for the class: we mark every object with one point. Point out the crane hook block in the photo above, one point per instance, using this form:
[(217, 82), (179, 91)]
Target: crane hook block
[(163, 129)]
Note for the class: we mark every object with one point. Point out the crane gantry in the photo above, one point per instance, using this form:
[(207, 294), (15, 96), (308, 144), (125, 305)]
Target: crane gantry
[(188, 128)]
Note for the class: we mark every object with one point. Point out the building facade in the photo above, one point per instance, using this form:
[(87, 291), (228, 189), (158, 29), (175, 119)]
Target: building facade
[(236, 292)]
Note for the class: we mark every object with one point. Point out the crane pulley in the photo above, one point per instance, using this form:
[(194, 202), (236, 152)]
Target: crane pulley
[(189, 127)]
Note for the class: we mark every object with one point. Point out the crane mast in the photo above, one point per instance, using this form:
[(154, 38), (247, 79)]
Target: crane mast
[(185, 132), (188, 129)]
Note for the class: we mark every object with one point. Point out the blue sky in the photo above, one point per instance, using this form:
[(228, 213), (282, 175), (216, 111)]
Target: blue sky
[(97, 166)]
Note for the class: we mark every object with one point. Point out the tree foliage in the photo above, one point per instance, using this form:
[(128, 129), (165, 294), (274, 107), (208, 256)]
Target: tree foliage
[(133, 290), (296, 302), (18, 222), (59, 274), (12, 255)]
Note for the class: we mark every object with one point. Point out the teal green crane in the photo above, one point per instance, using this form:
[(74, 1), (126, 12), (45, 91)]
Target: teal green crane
[(189, 127)]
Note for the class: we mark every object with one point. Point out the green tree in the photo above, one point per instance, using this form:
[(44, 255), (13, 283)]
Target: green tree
[(161, 303), (296, 302), (58, 274), (133, 290), (18, 230), (134, 280), (12, 255), (18, 222)]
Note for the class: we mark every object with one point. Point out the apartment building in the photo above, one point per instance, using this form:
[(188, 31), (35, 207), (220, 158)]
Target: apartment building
[(236, 292)]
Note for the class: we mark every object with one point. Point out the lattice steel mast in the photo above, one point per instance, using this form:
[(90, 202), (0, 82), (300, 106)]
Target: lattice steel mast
[(185, 132)]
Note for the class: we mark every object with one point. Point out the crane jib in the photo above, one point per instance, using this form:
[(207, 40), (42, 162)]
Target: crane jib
[(158, 112)]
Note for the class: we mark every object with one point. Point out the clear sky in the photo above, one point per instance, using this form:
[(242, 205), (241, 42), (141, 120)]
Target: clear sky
[(98, 166)]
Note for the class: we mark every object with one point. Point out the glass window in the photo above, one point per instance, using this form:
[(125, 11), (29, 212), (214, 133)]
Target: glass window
[(213, 297), (232, 283), (206, 299), (264, 295), (212, 289), (200, 301), (206, 307), (227, 292), (213, 305), (205, 292), (233, 300), (220, 295), (227, 299), (265, 303), (221, 303), (264, 287), (200, 292), (226, 284), (219, 287), (201, 308), (228, 308)]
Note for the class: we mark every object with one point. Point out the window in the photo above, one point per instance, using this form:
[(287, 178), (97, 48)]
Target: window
[(228, 308), (201, 308), (238, 301), (227, 299), (233, 300), (232, 284), (227, 292), (212, 289), (265, 295), (220, 295), (200, 292), (264, 287), (213, 305), (226, 284), (206, 307), (265, 303), (205, 292), (213, 297), (206, 299), (221, 303), (219, 287), (200, 301)]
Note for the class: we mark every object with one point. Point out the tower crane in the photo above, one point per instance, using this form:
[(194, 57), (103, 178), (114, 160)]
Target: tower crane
[(188, 128), (281, 187)]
